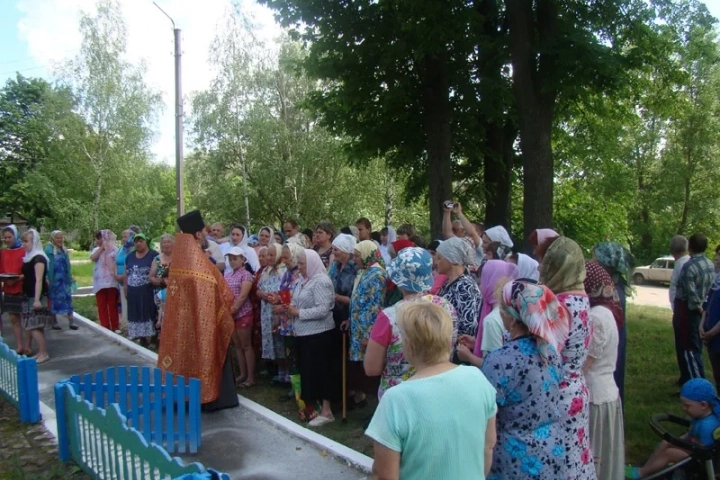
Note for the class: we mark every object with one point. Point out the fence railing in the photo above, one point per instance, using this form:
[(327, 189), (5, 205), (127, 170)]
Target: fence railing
[(100, 441), (19, 383), (165, 409)]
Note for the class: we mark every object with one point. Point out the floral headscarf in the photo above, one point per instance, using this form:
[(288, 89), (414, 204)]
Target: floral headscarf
[(411, 270), (602, 292), (539, 309), (129, 244), (617, 260), (369, 254), (295, 251), (109, 240), (18, 241), (563, 267)]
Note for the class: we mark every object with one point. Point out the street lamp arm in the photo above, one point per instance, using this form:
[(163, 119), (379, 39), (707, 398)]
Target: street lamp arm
[(165, 13)]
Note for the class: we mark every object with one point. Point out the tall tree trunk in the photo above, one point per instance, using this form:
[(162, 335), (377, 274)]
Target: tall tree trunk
[(535, 95), (437, 116), (497, 174)]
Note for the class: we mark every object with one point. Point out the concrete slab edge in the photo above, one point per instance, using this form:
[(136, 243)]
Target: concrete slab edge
[(49, 420), (337, 450)]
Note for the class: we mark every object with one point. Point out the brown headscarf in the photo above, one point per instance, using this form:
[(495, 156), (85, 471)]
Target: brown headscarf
[(563, 267), (197, 325)]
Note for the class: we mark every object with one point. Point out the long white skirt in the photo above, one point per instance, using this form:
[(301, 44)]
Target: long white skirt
[(607, 440)]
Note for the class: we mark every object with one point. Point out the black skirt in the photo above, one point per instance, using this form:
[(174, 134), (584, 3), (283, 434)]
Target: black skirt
[(12, 303), (316, 357)]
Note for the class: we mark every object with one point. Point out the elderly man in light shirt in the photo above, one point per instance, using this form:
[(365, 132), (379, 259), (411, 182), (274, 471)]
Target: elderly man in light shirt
[(679, 251)]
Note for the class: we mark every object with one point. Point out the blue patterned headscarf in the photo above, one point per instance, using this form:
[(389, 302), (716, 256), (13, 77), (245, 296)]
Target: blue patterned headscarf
[(701, 390), (129, 244), (617, 260), (411, 270)]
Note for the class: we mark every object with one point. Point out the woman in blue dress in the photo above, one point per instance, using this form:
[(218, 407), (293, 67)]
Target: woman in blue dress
[(60, 280), (526, 373)]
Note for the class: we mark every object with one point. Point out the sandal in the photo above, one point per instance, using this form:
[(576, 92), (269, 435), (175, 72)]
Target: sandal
[(247, 384), (39, 360)]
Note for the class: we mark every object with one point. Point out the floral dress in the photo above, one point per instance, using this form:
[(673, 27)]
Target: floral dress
[(160, 293), (465, 296), (574, 394), (387, 333), (365, 304), (61, 281), (272, 345), (290, 281), (529, 433)]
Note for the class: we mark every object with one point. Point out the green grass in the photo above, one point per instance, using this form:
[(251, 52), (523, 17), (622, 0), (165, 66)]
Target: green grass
[(79, 255), (83, 273), (86, 306)]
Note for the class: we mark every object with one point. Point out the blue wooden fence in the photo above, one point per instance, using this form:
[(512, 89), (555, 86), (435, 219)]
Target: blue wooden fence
[(19, 383), (165, 409), (100, 441)]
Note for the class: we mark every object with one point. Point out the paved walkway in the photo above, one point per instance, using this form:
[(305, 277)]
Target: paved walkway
[(238, 441), (651, 296)]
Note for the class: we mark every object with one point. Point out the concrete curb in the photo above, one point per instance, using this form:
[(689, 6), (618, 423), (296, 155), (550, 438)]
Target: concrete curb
[(352, 457)]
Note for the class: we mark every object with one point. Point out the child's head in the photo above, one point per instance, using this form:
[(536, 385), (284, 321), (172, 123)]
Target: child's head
[(699, 398)]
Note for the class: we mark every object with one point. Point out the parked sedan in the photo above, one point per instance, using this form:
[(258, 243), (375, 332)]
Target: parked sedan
[(659, 271)]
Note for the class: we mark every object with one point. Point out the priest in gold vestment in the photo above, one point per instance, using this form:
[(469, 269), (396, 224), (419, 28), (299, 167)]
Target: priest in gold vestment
[(197, 326)]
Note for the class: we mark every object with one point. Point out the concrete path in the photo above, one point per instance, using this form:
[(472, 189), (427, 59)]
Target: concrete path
[(241, 442)]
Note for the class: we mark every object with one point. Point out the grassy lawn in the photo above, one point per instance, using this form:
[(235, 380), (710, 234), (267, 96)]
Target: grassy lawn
[(76, 255), (649, 388)]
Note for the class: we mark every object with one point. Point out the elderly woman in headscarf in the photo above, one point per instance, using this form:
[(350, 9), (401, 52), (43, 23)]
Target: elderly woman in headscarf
[(283, 322), (387, 237), (11, 261), (527, 372), (60, 278), (527, 266), (343, 272), (459, 288), (563, 271), (266, 237), (411, 272), (313, 327), (495, 274), (365, 305), (268, 285), (104, 279), (35, 316), (497, 234), (496, 251), (606, 413), (619, 263)]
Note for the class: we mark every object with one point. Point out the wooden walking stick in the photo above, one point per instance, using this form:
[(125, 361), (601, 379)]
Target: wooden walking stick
[(344, 377)]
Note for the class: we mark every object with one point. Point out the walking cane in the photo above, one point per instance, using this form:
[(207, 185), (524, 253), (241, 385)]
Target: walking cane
[(344, 377)]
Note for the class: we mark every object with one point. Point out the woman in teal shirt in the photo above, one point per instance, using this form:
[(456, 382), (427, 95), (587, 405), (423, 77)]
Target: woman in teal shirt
[(128, 245), (439, 423)]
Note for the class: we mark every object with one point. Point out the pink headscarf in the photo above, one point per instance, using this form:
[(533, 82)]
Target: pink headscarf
[(492, 272), (315, 265), (539, 236)]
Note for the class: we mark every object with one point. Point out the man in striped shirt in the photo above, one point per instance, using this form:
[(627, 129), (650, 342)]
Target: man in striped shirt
[(695, 280)]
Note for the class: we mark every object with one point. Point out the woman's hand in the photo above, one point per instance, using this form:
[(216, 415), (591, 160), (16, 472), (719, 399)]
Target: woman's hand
[(37, 305), (119, 278), (464, 353), (467, 341), (273, 299), (279, 309), (345, 325), (275, 325), (293, 311)]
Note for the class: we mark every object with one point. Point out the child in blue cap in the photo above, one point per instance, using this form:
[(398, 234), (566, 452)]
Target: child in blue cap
[(701, 404)]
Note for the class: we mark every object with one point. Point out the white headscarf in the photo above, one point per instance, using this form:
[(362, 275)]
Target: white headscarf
[(314, 265), (345, 243), (249, 253), (528, 267), (272, 233), (37, 248), (499, 234), (391, 235)]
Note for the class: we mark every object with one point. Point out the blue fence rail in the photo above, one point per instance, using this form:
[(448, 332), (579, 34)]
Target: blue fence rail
[(165, 409), (19, 383), (105, 447)]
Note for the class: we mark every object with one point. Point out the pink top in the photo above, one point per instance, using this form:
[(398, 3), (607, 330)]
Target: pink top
[(235, 279), (437, 283)]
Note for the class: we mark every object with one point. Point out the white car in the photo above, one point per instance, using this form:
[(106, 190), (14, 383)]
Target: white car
[(659, 272)]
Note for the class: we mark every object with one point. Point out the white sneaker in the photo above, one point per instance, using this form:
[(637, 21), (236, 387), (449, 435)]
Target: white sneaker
[(319, 421), (119, 332)]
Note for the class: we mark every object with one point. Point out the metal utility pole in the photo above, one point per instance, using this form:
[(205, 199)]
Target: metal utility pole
[(179, 184)]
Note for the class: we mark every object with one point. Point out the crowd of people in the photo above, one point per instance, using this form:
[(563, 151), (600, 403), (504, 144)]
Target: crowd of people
[(469, 345)]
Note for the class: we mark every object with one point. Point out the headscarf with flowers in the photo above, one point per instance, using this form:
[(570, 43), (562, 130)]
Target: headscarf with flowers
[(617, 260), (369, 257), (602, 292), (538, 308)]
